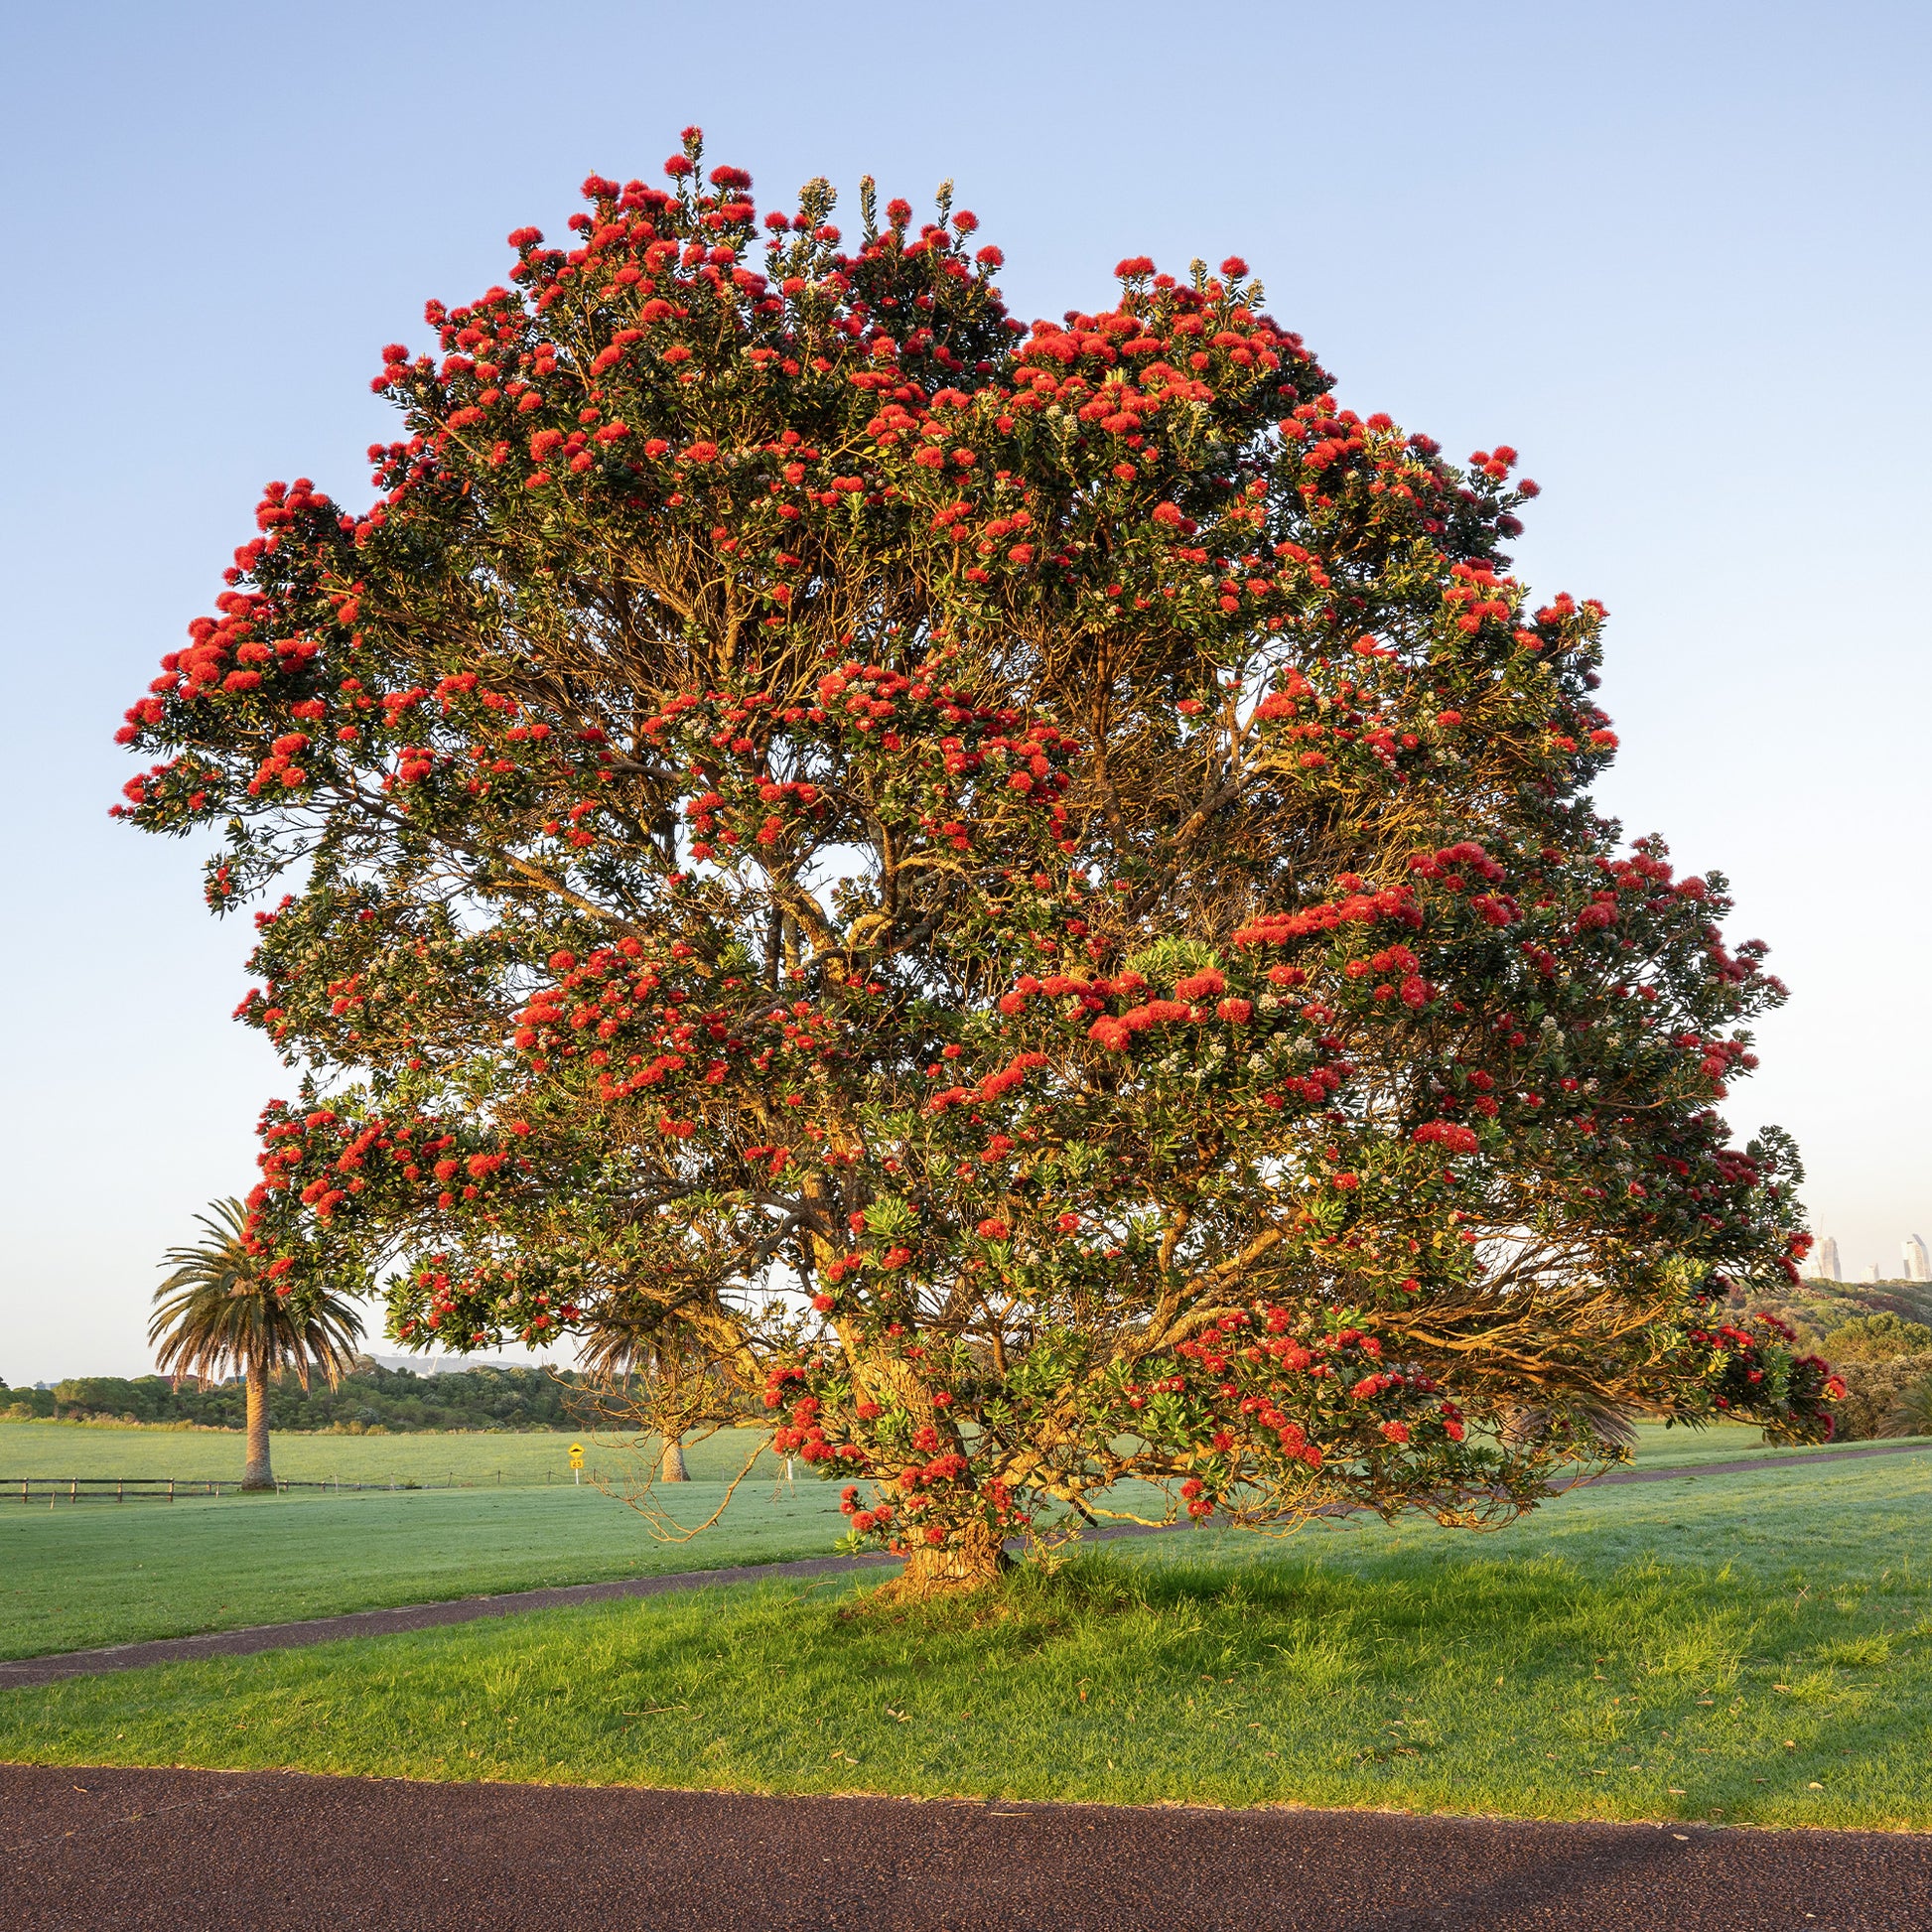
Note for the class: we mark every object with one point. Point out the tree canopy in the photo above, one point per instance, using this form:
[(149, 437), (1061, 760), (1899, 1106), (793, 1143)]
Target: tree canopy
[(1877, 1338), (1028, 893)]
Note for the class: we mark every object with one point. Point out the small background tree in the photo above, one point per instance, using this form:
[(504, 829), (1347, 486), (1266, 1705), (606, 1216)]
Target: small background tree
[(1026, 898), (227, 1306)]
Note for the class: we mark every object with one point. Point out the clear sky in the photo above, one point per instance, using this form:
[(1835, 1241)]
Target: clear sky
[(1676, 254)]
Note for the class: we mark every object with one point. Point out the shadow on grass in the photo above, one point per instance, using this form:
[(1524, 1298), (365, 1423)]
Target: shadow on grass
[(1588, 1678)]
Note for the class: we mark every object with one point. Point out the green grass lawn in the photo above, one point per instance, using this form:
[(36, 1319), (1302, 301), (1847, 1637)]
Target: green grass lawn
[(1659, 1448), (59, 1449), (75, 1576), (62, 1448), (1755, 1649)]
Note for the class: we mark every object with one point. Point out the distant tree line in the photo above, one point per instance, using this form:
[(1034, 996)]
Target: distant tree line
[(370, 1399), (1885, 1359)]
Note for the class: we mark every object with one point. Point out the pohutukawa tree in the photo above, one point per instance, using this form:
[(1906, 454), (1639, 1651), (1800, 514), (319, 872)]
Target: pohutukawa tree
[(1022, 897)]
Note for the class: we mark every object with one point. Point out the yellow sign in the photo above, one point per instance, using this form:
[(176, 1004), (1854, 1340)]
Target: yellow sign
[(576, 1455)]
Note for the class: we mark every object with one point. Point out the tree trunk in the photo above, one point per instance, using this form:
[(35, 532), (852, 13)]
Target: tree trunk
[(974, 1561), (670, 1466), (257, 1475)]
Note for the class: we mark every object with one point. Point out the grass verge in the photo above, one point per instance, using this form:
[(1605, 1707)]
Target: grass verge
[(96, 1573), (1756, 1651)]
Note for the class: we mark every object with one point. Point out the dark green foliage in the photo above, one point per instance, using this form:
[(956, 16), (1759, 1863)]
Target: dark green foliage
[(1876, 1338), (18, 1405), (370, 1397), (1873, 1391)]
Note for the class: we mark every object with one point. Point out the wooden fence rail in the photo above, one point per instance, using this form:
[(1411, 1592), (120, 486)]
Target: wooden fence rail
[(119, 1489)]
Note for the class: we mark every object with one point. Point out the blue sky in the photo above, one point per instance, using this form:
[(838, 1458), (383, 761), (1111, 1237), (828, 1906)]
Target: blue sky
[(1674, 254)]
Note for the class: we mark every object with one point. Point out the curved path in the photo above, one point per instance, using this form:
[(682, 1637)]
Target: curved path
[(25, 1672), (271, 1851)]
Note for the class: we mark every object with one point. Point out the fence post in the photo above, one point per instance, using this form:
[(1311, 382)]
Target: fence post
[(120, 1491), (73, 1489), (171, 1489)]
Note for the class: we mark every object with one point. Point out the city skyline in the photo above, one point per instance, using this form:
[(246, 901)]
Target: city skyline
[(1826, 1263)]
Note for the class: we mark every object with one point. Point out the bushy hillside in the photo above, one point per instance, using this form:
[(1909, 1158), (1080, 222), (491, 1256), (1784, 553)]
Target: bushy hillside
[(1818, 1307)]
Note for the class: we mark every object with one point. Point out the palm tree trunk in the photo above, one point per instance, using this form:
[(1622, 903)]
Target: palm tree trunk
[(670, 1466), (257, 1475)]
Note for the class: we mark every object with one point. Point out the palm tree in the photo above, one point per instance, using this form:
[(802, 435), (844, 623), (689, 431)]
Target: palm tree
[(640, 1381), (219, 1311), (1911, 1414)]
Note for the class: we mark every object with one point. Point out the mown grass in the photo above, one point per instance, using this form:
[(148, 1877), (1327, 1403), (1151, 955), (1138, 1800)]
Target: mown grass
[(1755, 1649), (484, 1457), (75, 1577), (434, 1458), (1659, 1446)]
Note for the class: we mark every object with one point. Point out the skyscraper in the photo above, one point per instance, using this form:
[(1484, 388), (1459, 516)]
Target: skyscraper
[(1919, 1266), (1826, 1265)]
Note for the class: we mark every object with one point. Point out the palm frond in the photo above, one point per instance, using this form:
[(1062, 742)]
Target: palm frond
[(217, 1312), (1911, 1414)]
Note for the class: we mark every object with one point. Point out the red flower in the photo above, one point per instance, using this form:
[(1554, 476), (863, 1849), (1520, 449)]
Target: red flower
[(1200, 986)]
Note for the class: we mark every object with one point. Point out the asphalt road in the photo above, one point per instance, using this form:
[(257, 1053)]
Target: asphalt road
[(269, 1852)]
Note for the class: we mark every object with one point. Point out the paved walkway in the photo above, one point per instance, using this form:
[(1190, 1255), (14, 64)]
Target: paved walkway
[(1745, 1464), (271, 1851), (409, 1616), (28, 1671)]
